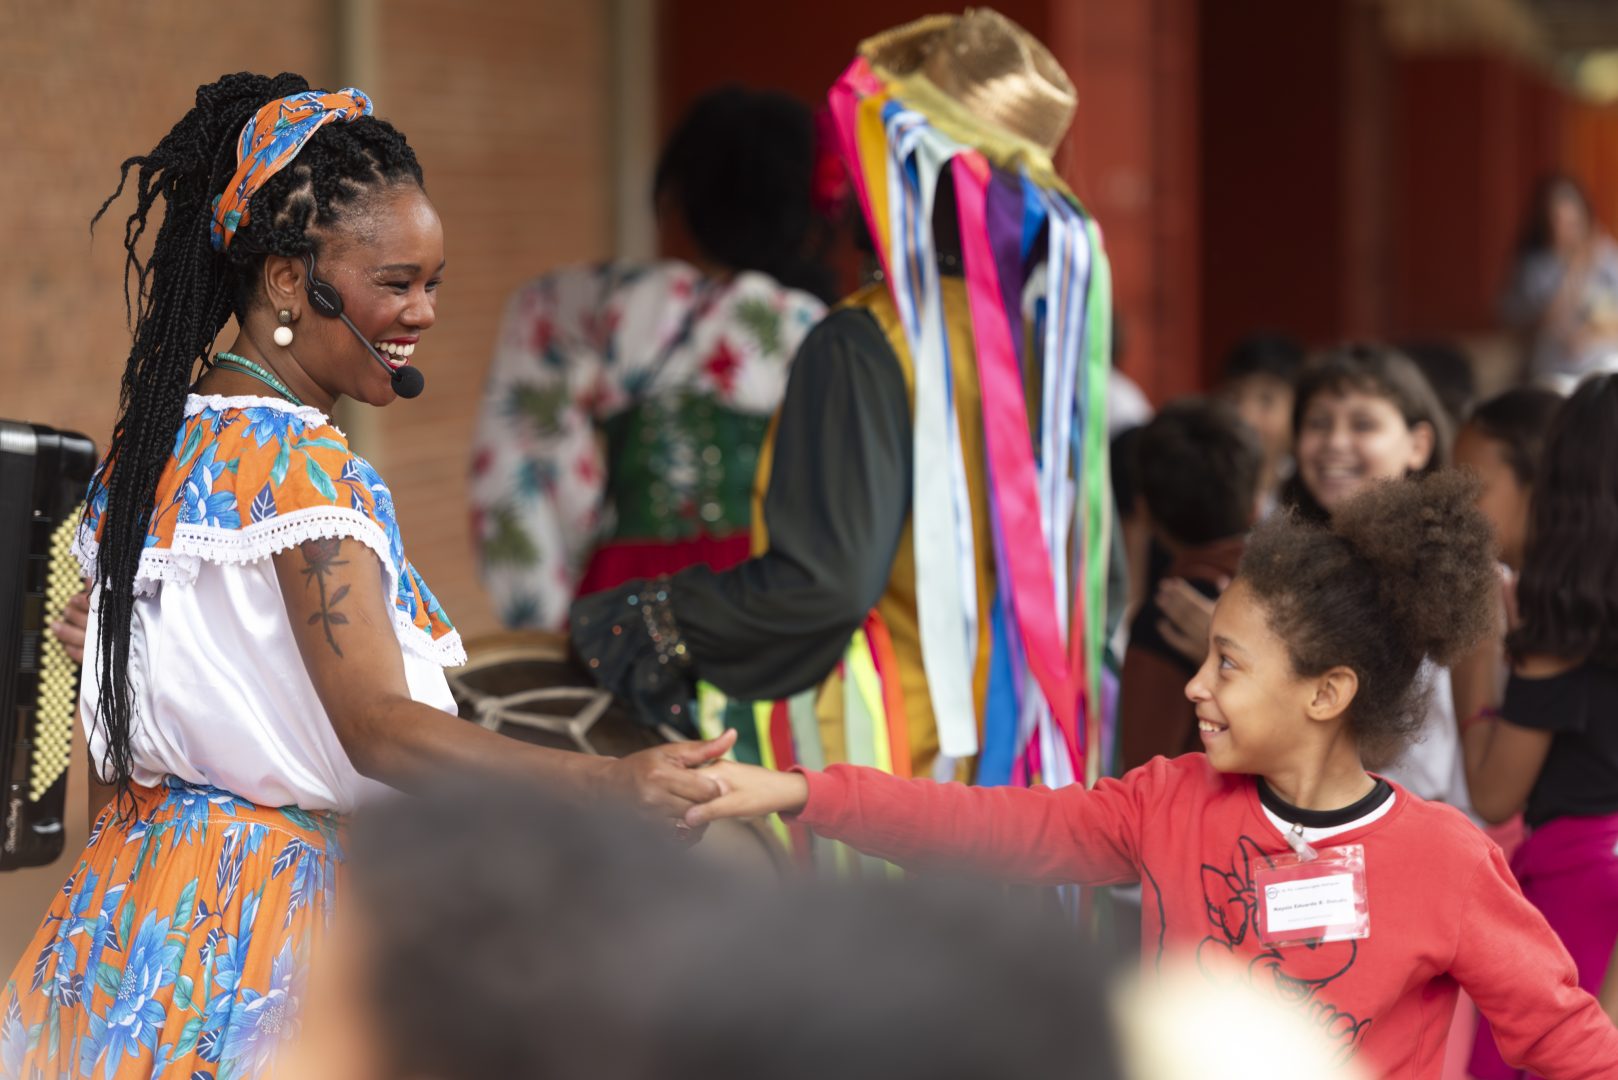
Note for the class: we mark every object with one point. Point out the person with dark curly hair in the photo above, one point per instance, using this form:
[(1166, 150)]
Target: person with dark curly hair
[(1199, 469), (1548, 748), (1363, 414), (627, 401), (263, 656), (1275, 857)]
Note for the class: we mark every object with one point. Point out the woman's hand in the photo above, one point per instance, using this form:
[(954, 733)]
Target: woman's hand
[(1187, 614), (748, 791), (668, 780), (71, 627)]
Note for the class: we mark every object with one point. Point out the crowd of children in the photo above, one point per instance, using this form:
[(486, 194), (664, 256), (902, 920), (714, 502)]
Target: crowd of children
[(1417, 619)]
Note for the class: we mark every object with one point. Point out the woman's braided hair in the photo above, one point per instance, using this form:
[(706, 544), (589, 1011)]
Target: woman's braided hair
[(180, 297)]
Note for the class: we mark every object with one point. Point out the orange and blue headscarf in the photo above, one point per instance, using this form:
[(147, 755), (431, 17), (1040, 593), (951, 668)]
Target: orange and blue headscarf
[(270, 141)]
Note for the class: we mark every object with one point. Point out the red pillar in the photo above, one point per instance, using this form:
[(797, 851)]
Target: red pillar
[(1474, 133), (1589, 151), (1293, 101), (794, 46), (1132, 158)]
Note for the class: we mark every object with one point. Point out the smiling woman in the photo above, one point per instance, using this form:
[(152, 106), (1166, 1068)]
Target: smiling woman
[(393, 354), (263, 654)]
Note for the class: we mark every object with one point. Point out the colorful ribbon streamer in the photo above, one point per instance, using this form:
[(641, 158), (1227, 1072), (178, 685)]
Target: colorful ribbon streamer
[(1032, 257)]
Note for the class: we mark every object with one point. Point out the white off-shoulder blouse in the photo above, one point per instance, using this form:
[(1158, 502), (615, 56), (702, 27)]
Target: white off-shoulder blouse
[(221, 694)]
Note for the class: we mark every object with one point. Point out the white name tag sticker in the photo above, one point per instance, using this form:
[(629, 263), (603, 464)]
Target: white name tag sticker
[(1310, 903)]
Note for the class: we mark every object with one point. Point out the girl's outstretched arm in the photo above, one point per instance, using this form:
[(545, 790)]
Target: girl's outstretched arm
[(1032, 835), (1514, 966)]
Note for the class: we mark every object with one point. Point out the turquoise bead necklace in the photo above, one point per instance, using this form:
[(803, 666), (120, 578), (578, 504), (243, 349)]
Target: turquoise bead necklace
[(255, 371)]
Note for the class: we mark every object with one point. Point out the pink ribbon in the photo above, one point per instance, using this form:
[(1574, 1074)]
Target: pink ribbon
[(1010, 444)]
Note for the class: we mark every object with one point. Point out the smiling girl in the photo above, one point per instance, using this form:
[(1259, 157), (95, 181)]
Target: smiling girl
[(1314, 653), (1365, 414)]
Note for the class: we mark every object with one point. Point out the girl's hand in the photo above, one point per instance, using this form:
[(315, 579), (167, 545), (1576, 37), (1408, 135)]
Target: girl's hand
[(748, 791), (75, 620), (666, 780)]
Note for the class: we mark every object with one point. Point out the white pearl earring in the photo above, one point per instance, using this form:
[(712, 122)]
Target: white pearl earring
[(283, 333)]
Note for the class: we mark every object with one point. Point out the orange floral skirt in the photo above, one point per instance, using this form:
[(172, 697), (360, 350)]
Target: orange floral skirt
[(177, 947)]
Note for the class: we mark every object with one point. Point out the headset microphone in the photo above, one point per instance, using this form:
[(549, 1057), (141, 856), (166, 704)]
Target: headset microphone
[(324, 298)]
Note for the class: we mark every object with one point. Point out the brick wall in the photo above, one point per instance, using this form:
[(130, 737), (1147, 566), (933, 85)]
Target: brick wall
[(89, 85), (509, 113)]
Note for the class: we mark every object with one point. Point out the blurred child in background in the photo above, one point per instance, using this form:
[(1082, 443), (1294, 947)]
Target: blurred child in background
[(1501, 445), (1258, 380), (1198, 470), (494, 932), (1550, 750)]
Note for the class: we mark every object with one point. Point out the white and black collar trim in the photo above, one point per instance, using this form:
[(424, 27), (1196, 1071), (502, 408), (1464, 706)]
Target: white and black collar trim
[(1321, 824)]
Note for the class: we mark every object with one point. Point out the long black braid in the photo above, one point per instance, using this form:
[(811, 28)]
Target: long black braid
[(180, 297)]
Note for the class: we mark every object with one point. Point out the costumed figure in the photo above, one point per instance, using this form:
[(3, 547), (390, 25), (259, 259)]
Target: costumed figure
[(928, 593)]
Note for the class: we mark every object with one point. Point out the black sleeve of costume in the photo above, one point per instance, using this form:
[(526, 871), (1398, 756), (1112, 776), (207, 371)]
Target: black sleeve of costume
[(837, 503)]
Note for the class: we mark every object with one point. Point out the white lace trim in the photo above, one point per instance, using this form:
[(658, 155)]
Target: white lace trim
[(194, 544), (195, 403)]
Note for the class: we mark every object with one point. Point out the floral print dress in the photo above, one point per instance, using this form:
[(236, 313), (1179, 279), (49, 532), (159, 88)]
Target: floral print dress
[(620, 427), (178, 944)]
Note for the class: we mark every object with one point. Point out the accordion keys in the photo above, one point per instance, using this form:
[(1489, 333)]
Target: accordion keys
[(43, 477), (57, 701)]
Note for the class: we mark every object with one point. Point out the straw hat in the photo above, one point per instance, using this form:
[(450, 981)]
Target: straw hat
[(1001, 75)]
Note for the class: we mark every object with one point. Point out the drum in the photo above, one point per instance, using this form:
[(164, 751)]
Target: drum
[(528, 685)]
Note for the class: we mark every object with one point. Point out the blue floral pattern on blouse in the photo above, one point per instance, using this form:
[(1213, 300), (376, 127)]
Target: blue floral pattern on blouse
[(248, 466)]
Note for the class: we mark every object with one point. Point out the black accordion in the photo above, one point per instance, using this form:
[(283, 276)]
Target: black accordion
[(43, 478)]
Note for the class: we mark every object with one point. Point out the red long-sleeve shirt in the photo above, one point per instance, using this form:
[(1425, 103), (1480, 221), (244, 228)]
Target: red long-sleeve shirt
[(1444, 909)]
